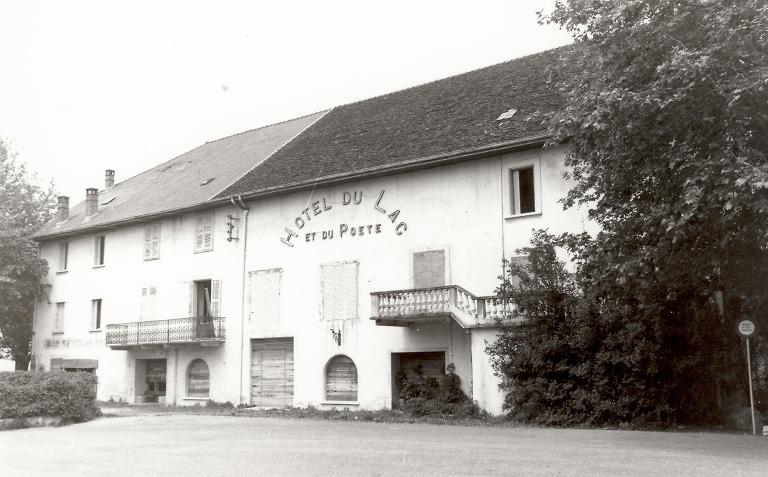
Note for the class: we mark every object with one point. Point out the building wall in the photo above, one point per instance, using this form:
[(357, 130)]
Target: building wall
[(461, 209), (119, 282), (458, 208)]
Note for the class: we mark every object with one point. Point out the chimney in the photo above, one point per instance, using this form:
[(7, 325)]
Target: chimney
[(63, 209), (109, 179), (91, 201)]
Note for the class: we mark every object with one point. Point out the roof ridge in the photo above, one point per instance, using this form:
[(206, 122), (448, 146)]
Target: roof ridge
[(321, 115), (551, 50), (268, 125)]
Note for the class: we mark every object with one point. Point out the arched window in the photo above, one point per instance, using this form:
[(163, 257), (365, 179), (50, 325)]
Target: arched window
[(198, 379), (341, 379)]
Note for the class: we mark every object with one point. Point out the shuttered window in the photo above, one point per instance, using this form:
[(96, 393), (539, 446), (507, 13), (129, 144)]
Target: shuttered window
[(338, 284), (429, 269), (341, 379), (98, 250), (148, 309), (59, 325), (198, 379), (152, 241), (204, 233)]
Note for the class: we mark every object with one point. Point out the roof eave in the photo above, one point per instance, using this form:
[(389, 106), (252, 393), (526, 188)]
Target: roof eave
[(454, 157)]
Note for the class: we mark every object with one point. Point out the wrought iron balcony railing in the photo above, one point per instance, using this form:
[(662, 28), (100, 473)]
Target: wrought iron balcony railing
[(195, 329), (404, 307)]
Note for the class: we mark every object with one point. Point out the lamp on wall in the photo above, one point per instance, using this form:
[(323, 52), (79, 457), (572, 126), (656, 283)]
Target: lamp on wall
[(336, 336)]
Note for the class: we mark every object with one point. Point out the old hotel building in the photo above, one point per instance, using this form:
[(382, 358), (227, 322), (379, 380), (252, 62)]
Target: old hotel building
[(310, 261)]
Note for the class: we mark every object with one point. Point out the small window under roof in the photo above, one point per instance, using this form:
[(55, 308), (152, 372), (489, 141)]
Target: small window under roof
[(207, 181)]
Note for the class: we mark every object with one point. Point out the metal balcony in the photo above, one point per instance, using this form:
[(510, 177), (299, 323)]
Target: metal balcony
[(420, 305), (204, 331)]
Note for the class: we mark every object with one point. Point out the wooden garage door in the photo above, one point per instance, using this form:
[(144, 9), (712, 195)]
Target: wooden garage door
[(272, 372)]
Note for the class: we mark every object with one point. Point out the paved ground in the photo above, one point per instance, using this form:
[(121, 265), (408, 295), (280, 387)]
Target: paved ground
[(222, 445)]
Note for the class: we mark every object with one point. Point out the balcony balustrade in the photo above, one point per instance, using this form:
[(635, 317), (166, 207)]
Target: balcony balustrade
[(406, 307), (206, 331)]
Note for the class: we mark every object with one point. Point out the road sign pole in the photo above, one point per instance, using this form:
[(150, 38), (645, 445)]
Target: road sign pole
[(751, 397)]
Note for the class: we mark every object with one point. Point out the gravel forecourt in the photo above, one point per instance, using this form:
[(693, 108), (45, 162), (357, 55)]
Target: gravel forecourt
[(173, 444)]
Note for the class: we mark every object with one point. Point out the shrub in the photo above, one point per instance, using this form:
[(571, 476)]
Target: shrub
[(71, 396), (433, 397)]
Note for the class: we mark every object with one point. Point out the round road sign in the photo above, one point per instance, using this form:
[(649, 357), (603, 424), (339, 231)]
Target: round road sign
[(746, 328)]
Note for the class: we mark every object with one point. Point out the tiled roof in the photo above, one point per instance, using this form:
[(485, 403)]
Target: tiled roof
[(484, 108), (183, 182), (453, 114)]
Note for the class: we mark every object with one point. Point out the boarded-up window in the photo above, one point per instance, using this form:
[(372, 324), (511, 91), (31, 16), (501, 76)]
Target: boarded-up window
[(518, 262), (198, 379), (265, 296), (151, 241), (204, 233), (429, 269), (341, 379), (338, 285)]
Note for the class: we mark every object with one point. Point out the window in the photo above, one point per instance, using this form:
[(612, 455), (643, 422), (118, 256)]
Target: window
[(341, 379), (198, 379), (152, 242), (338, 285), (523, 199), (58, 326), (429, 269), (98, 250), (96, 314), (148, 310), (204, 233), (63, 256), (264, 297)]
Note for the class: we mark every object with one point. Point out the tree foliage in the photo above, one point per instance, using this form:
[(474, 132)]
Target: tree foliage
[(666, 118), (24, 207)]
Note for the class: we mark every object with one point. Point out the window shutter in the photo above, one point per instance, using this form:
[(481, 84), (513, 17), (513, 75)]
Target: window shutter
[(338, 285), (190, 290), (199, 229), (208, 232), (147, 242), (215, 297), (155, 246), (264, 299)]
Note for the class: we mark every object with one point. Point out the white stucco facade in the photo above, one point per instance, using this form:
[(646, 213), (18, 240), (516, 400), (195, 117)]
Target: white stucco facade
[(461, 209)]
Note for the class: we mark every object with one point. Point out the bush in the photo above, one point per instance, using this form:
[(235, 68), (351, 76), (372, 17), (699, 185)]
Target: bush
[(434, 397), (71, 396)]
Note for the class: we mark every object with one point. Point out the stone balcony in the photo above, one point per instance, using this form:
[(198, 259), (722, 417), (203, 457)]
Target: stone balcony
[(204, 331), (420, 305)]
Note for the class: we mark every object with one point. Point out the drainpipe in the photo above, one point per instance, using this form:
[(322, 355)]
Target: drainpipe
[(244, 208)]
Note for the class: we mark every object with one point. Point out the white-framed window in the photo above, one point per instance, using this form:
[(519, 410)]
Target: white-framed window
[(148, 310), (341, 379), (338, 291), (96, 314), (152, 241), (63, 256), (204, 232), (198, 379), (58, 326), (521, 186), (98, 250)]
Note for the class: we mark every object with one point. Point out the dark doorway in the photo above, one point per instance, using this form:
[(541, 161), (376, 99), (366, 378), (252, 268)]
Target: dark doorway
[(416, 368)]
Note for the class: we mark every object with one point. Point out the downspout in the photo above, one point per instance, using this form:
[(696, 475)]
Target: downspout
[(245, 210)]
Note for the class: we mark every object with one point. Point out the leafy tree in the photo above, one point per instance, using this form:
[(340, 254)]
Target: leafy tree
[(24, 207), (667, 125), (666, 117)]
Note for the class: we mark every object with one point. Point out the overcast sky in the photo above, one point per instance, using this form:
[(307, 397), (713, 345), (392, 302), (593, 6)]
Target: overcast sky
[(125, 85)]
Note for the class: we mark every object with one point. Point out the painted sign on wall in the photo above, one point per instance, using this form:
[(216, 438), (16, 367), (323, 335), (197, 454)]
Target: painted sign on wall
[(343, 230)]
